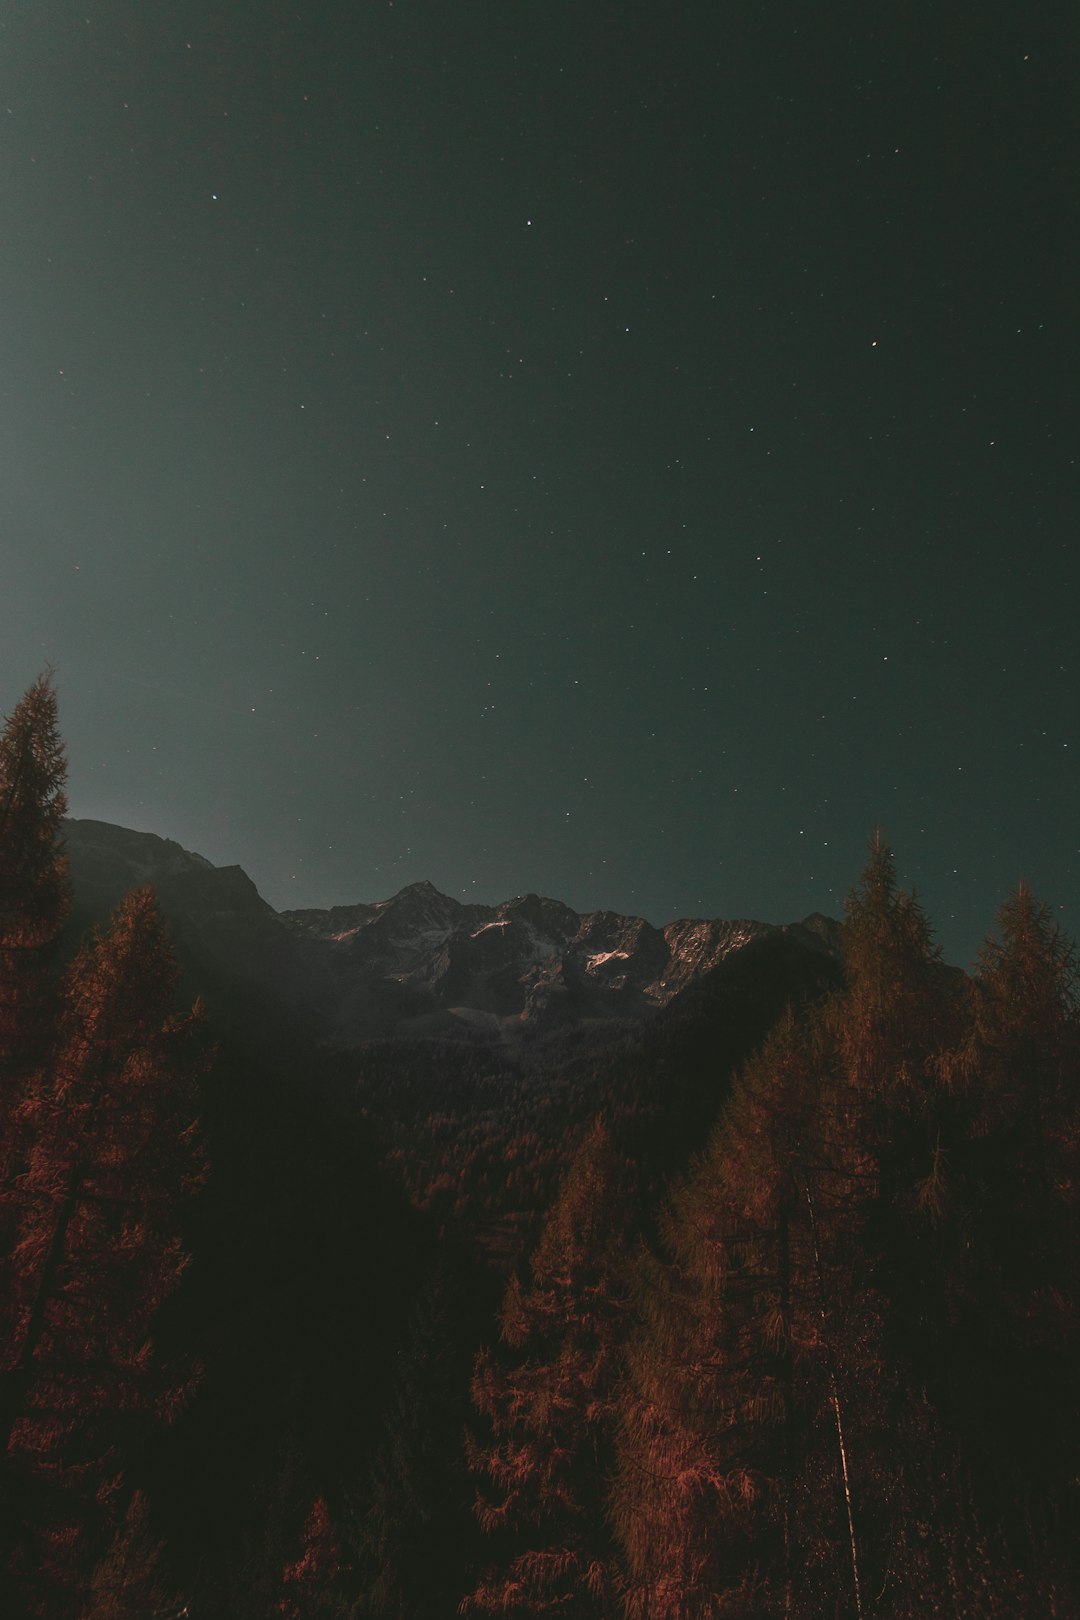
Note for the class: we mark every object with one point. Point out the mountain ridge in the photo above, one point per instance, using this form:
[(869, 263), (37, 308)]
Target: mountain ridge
[(418, 961)]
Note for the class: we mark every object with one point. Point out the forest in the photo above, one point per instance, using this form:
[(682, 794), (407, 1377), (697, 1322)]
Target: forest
[(763, 1307)]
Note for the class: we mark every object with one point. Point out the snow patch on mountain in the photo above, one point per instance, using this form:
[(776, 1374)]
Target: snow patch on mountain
[(420, 955)]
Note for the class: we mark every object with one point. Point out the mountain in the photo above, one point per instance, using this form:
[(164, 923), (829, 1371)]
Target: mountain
[(423, 960), (419, 962), (254, 972)]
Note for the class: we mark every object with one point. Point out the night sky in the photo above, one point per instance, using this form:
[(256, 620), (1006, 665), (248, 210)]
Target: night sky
[(621, 451)]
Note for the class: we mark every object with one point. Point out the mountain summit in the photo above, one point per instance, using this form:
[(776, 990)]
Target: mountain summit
[(419, 961)]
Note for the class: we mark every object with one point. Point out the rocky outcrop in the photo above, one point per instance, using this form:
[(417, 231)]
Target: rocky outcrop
[(419, 960)]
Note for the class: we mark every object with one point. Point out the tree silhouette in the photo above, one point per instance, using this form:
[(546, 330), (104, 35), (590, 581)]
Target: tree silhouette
[(723, 1414), (767, 1380), (1018, 1277), (129, 1582), (34, 891), (114, 1152), (548, 1398), (309, 1582)]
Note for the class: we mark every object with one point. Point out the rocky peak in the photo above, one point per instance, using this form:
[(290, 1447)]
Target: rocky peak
[(546, 917), (419, 956)]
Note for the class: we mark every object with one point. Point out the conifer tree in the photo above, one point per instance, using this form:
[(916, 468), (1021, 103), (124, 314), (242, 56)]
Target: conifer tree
[(724, 1407), (129, 1582), (1019, 1277), (310, 1581), (1026, 1036), (876, 1189), (548, 1398), (886, 1023), (769, 1381), (34, 887), (114, 1153)]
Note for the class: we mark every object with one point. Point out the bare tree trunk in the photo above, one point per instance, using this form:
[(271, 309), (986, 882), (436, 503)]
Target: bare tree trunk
[(834, 1397), (787, 1383)]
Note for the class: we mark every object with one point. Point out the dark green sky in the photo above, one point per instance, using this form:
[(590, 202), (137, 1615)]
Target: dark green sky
[(623, 452)]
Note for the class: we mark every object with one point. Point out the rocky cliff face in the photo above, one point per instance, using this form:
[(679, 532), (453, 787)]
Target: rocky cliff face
[(419, 961), (429, 959)]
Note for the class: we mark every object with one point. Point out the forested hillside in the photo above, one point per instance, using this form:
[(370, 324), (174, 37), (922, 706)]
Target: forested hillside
[(764, 1305)]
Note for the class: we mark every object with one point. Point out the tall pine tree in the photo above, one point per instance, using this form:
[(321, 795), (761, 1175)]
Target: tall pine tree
[(34, 890), (114, 1152), (725, 1418), (1020, 1275), (548, 1397), (767, 1383)]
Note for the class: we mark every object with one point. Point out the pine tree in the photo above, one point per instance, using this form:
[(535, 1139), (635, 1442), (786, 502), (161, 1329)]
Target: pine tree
[(310, 1582), (770, 1381), (548, 1398), (725, 1408), (889, 1010), (129, 1582), (1020, 1276), (114, 1153), (879, 1192), (34, 888), (1026, 1034)]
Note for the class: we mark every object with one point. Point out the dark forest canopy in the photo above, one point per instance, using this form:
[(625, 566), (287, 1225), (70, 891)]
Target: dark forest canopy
[(767, 1308)]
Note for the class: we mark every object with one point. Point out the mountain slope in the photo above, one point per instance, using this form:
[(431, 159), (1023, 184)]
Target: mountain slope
[(420, 962)]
